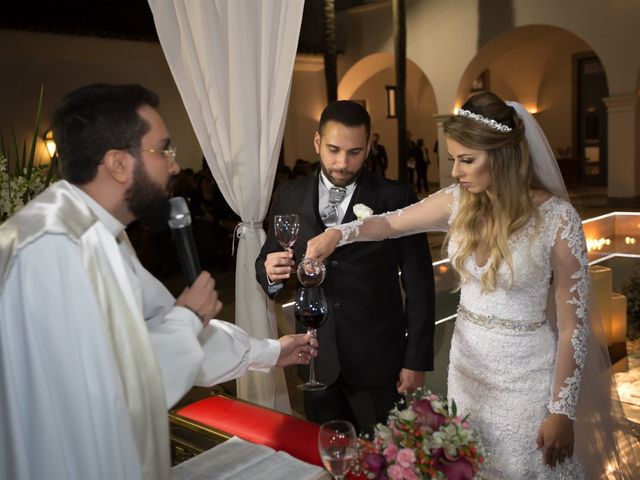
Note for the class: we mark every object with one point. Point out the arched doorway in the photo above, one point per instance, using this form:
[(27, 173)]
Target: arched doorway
[(557, 76)]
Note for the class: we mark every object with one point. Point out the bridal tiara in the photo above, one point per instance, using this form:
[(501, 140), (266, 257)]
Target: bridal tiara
[(487, 121)]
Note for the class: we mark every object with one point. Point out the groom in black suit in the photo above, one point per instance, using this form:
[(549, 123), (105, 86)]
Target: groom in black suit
[(374, 345)]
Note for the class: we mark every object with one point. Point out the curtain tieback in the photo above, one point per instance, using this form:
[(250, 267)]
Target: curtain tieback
[(240, 230)]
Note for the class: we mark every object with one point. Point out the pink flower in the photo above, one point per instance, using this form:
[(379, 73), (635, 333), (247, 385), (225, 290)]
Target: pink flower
[(410, 474), (375, 462), (406, 458), (395, 472), (426, 413), (459, 469), (390, 452)]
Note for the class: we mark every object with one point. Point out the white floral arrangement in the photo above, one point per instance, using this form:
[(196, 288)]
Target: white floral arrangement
[(362, 211), (19, 187)]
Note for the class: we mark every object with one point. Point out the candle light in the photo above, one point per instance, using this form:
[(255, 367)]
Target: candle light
[(618, 318), (602, 281)]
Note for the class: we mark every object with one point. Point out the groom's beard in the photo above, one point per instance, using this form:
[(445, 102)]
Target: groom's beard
[(351, 176), (147, 200)]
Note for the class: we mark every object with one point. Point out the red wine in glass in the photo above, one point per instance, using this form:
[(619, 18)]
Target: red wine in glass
[(286, 228), (311, 319), (311, 308)]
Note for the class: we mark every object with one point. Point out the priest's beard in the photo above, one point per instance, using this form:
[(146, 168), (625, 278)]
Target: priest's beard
[(147, 200)]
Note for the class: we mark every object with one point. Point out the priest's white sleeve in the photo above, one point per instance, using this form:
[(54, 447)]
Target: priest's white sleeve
[(229, 352), (62, 410), (187, 353)]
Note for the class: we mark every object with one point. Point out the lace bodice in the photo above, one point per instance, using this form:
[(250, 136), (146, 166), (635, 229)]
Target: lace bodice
[(553, 248)]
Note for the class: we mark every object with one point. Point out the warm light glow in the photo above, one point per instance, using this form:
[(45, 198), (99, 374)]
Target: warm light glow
[(602, 282), (597, 244), (391, 101), (532, 109), (630, 240), (50, 143), (618, 318), (443, 269)]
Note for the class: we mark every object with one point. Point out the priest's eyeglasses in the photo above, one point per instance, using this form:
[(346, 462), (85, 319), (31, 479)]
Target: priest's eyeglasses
[(169, 153)]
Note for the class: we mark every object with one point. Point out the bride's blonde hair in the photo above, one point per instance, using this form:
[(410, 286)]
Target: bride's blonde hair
[(506, 206)]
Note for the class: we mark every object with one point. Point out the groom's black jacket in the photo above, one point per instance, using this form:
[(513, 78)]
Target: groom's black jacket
[(364, 335)]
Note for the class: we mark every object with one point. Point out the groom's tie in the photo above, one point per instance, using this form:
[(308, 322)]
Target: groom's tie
[(330, 214)]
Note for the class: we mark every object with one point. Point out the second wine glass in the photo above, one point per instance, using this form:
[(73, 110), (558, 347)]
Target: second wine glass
[(337, 445), (311, 311), (286, 228), (311, 308)]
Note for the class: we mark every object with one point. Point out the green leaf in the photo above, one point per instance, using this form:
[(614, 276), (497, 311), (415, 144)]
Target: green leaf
[(36, 130), (23, 157), (15, 149), (454, 408), (52, 168)]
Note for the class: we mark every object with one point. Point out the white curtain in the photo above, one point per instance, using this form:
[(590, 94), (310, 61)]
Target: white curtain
[(232, 61)]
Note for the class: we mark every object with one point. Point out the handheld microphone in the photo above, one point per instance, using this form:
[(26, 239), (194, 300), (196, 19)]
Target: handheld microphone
[(180, 223)]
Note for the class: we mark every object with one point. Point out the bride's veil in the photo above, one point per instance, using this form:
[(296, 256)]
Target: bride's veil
[(603, 437)]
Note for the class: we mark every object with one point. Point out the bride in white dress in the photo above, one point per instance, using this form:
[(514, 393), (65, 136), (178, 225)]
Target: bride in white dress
[(526, 362)]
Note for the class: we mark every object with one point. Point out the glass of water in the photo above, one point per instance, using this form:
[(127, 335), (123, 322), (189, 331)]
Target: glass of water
[(337, 445)]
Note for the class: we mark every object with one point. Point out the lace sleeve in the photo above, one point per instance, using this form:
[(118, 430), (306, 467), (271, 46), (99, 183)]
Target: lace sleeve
[(571, 280), (428, 215)]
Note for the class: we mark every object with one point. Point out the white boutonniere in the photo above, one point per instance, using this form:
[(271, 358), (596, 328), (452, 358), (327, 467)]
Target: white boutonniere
[(362, 211)]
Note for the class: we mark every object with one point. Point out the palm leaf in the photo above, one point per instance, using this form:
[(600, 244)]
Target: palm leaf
[(17, 167), (34, 140), (52, 168)]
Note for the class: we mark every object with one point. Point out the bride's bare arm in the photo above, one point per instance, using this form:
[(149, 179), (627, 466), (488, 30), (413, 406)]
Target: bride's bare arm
[(428, 215)]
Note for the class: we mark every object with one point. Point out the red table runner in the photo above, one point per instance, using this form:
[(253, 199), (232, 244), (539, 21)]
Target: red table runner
[(258, 425)]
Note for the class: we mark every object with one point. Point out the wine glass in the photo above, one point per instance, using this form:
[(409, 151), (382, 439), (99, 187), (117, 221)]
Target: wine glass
[(337, 445), (311, 308), (286, 228)]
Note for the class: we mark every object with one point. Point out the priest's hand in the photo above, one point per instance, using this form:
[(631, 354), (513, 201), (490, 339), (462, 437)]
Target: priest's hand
[(201, 298), (556, 438), (409, 380), (323, 245), (297, 349)]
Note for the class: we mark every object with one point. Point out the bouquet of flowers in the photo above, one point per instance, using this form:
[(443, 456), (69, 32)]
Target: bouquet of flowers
[(21, 176), (422, 439), (18, 188)]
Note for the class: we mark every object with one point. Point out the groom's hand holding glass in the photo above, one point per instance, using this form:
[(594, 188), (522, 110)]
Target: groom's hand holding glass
[(279, 265)]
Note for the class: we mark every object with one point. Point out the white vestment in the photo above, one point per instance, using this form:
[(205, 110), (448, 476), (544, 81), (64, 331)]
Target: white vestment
[(84, 382)]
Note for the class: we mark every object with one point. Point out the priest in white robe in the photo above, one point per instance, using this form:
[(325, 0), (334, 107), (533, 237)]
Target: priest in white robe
[(93, 348)]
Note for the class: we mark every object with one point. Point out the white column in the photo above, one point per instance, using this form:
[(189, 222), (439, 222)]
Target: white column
[(444, 165), (623, 146)]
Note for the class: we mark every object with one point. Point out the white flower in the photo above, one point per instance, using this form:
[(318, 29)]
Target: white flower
[(384, 432), (407, 415), (362, 211), (15, 188), (447, 438)]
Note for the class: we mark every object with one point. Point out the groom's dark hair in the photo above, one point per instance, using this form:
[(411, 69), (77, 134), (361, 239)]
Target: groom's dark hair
[(346, 112)]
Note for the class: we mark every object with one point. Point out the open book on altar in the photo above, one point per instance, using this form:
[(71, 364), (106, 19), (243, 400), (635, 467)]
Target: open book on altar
[(238, 459)]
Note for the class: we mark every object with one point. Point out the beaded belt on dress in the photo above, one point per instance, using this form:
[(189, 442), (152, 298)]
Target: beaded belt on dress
[(491, 321)]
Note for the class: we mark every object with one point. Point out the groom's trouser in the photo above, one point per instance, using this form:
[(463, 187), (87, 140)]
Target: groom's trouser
[(340, 401)]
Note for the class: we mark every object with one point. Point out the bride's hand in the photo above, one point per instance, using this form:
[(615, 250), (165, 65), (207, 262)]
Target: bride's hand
[(323, 245), (556, 437)]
